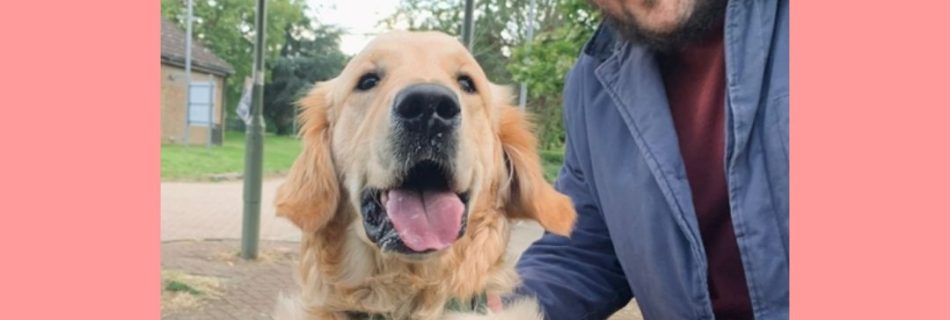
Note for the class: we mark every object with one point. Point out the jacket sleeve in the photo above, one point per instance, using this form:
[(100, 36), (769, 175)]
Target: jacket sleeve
[(578, 277)]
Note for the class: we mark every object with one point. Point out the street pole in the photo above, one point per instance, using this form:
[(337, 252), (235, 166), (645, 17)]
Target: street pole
[(210, 110), (188, 74), (523, 96), (468, 28), (250, 228), (296, 115)]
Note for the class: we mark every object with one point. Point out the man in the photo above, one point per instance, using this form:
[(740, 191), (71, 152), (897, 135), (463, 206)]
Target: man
[(677, 163)]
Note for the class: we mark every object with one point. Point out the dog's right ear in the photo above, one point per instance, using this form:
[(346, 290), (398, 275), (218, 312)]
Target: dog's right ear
[(311, 193)]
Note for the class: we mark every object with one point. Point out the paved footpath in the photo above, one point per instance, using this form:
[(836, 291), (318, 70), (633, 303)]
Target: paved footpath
[(193, 210), (201, 225)]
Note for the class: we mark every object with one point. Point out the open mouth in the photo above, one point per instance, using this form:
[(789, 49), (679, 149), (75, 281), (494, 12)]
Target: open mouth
[(421, 214)]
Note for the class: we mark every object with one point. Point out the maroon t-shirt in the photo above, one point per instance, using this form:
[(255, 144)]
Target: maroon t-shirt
[(695, 79)]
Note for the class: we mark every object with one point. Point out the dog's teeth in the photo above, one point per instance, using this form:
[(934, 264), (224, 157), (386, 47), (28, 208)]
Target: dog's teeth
[(383, 197)]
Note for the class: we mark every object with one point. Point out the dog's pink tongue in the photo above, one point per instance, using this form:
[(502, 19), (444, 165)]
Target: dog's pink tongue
[(425, 220)]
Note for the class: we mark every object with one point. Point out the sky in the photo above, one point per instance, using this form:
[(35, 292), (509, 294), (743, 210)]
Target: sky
[(358, 18)]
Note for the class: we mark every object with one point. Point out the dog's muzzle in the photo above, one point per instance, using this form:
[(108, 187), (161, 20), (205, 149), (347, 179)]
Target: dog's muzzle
[(422, 211)]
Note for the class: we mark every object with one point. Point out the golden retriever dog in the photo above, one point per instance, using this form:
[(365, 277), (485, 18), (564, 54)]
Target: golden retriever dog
[(413, 168)]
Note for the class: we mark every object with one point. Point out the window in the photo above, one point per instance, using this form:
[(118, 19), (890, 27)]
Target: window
[(201, 103)]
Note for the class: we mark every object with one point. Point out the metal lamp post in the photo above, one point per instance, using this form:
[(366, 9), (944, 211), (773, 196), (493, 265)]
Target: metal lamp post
[(523, 96), (188, 75), (250, 228), (468, 28)]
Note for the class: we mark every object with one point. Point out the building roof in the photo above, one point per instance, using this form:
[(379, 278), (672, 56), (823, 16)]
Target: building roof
[(173, 52)]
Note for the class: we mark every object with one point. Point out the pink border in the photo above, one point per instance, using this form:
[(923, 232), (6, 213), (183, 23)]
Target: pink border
[(80, 91), (870, 156), (80, 160)]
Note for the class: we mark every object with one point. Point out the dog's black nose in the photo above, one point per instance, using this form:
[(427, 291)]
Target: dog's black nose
[(427, 108)]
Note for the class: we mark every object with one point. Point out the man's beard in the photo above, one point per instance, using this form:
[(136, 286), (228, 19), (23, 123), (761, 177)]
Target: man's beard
[(706, 16)]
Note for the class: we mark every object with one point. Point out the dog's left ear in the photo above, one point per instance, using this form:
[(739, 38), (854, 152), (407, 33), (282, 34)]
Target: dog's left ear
[(531, 196)]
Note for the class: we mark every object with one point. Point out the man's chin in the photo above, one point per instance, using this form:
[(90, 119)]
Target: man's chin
[(671, 32), (659, 41)]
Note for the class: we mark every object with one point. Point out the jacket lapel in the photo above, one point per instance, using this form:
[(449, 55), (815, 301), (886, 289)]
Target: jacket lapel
[(748, 22), (632, 80)]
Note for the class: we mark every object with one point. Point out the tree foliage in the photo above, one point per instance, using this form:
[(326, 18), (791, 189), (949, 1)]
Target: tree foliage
[(544, 63), (298, 51), (500, 26), (304, 60)]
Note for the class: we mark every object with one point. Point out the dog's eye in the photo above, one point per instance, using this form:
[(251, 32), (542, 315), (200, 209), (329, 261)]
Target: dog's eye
[(467, 84), (367, 81)]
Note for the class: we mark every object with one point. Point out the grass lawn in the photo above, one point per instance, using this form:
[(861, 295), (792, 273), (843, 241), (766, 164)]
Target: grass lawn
[(180, 162)]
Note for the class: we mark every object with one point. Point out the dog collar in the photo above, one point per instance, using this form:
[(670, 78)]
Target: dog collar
[(478, 304)]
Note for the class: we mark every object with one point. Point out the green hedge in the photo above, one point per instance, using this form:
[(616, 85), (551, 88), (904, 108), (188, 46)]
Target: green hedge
[(551, 160)]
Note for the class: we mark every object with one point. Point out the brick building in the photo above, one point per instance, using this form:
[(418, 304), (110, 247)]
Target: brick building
[(208, 74)]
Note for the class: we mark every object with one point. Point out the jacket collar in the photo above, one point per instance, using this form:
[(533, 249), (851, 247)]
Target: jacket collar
[(476, 305), (603, 44)]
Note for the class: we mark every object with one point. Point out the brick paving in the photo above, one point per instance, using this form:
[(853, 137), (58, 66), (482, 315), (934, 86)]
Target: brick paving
[(201, 223)]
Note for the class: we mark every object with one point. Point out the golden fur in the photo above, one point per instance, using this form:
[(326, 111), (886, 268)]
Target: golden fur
[(344, 138)]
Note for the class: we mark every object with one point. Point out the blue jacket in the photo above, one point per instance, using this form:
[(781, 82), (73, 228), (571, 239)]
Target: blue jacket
[(637, 234)]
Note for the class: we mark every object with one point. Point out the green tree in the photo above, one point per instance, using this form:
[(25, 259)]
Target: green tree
[(500, 26), (307, 56), (544, 63), (227, 28)]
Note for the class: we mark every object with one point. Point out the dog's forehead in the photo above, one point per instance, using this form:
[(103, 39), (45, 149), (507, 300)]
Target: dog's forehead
[(399, 46), (434, 41)]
